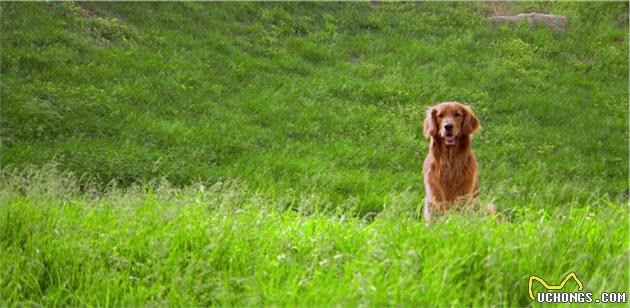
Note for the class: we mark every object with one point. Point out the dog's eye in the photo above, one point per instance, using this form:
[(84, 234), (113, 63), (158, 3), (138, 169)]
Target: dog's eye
[(440, 116), (457, 114)]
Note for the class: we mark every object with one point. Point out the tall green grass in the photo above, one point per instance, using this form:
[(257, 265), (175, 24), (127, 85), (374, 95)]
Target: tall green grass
[(228, 245)]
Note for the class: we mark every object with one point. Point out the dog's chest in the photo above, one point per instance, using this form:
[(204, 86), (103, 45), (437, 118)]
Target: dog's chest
[(453, 172)]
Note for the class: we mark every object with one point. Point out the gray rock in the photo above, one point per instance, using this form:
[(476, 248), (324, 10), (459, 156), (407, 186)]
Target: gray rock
[(553, 22)]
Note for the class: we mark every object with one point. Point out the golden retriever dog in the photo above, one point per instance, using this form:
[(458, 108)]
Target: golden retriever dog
[(450, 169)]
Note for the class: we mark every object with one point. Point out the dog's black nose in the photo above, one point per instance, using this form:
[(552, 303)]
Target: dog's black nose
[(448, 126)]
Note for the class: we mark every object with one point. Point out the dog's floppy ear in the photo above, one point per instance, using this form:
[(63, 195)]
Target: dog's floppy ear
[(430, 123), (471, 124)]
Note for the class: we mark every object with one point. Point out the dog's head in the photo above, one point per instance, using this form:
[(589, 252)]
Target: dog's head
[(450, 121)]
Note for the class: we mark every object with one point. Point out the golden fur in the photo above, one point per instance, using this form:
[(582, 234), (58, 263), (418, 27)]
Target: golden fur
[(450, 168)]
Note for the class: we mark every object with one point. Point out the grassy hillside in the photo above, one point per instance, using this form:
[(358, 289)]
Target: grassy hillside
[(314, 97), (313, 107)]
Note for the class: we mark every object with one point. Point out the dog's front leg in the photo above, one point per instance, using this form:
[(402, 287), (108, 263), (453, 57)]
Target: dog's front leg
[(427, 208)]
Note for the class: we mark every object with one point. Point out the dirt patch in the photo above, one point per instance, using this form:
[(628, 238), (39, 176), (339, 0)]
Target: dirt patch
[(497, 8), (355, 60)]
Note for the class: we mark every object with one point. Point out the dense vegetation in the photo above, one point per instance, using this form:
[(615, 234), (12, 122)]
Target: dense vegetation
[(270, 153)]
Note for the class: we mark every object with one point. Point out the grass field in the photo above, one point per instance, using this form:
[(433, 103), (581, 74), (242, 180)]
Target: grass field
[(270, 153)]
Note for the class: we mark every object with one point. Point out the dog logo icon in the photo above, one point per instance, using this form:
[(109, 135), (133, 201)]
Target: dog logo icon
[(552, 287)]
